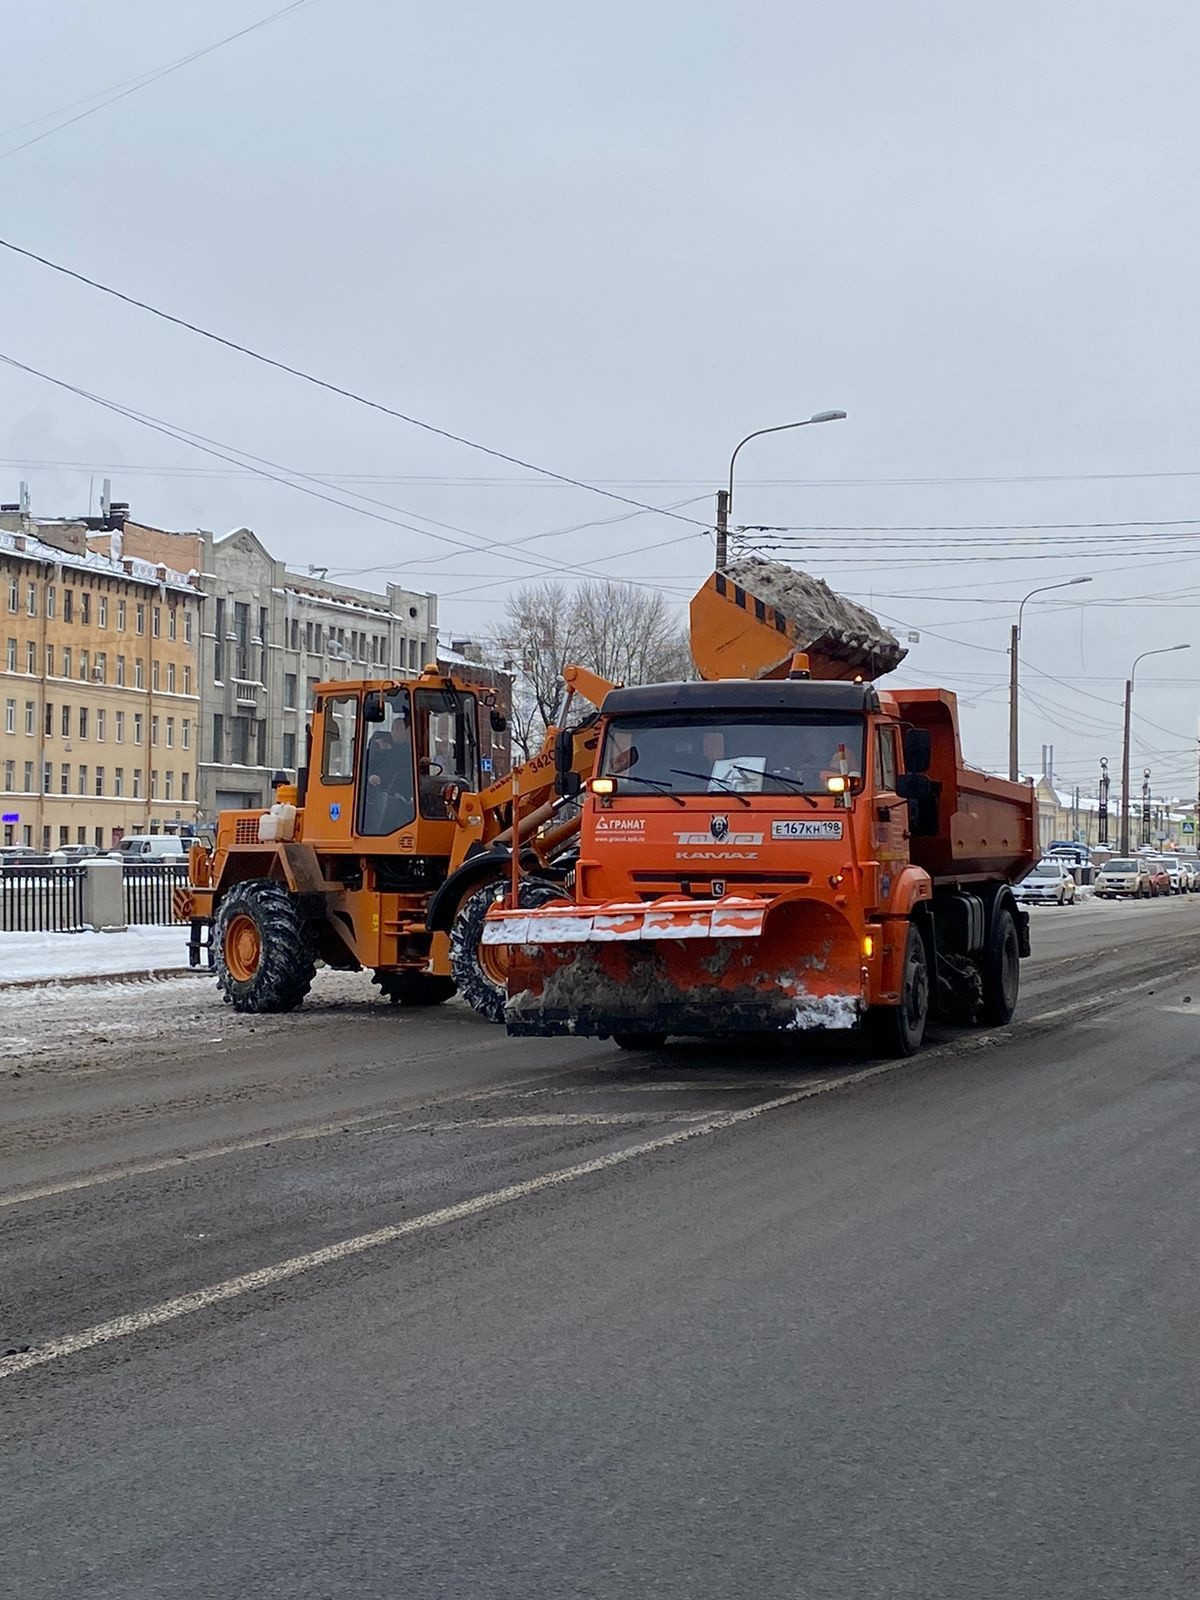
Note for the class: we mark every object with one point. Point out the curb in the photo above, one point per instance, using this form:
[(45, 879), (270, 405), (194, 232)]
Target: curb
[(72, 980)]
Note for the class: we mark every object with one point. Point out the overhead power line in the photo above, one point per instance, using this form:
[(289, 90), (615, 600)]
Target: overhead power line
[(120, 91), (335, 388)]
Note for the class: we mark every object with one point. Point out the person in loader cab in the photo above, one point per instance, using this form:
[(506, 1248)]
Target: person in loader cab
[(388, 802)]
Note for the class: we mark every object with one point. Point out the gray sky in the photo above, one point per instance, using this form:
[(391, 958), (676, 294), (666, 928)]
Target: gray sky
[(611, 239)]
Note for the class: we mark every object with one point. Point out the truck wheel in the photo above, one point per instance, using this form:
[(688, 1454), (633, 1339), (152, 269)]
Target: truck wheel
[(413, 988), (480, 971), (266, 954), (900, 1030), (1001, 969)]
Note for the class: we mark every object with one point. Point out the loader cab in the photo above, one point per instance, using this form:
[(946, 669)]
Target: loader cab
[(384, 758)]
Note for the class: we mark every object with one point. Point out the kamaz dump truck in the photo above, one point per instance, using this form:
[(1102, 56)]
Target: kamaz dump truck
[(777, 852)]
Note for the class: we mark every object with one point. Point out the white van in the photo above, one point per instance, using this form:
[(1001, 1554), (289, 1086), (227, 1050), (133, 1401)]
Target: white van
[(154, 847)]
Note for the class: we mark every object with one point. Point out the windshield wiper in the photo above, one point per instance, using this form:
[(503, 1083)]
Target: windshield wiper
[(781, 777), (655, 783), (707, 779)]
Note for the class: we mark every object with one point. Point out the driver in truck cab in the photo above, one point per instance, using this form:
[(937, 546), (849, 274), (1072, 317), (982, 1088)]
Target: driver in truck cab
[(389, 797)]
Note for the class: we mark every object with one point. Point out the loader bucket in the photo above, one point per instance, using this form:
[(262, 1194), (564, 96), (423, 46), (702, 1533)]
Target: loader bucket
[(801, 971)]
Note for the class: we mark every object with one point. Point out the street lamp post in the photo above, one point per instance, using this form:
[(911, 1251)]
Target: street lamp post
[(725, 496), (1164, 650), (1014, 764)]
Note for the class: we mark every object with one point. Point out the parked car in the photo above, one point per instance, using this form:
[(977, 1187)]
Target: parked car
[(18, 857), (1124, 878), (1049, 883), (1191, 874), (1160, 878), (78, 852), (154, 847)]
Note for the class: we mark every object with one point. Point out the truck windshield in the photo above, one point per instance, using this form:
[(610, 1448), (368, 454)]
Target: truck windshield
[(746, 753), (447, 747), (388, 789)]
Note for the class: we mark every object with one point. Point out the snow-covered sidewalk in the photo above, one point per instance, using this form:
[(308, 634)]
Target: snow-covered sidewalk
[(45, 957)]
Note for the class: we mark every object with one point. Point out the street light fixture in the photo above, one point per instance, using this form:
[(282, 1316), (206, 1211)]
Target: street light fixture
[(1164, 650), (1013, 759), (725, 496)]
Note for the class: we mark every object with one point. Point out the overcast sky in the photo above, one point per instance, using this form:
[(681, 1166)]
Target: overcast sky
[(610, 240)]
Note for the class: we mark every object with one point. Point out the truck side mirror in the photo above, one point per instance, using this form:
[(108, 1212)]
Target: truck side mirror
[(567, 782), (918, 750), (498, 720), (373, 708)]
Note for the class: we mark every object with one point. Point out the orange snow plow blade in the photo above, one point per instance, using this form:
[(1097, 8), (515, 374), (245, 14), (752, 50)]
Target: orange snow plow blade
[(678, 965)]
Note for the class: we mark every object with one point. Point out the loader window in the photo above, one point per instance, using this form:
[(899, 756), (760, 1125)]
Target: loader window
[(337, 756), (746, 751), (447, 750), (387, 788)]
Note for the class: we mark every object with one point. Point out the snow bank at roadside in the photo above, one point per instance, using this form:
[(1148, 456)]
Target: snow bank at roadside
[(33, 956)]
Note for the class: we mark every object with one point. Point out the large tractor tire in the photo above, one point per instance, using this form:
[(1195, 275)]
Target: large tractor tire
[(414, 988), (1000, 967), (265, 951), (480, 971), (897, 1031)]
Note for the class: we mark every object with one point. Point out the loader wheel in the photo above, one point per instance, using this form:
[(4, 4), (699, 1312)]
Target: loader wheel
[(480, 971), (414, 988), (1001, 969), (900, 1030), (265, 951)]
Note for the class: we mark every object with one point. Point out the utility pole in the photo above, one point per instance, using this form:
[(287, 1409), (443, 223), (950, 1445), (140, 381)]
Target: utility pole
[(1146, 805), (1125, 796), (722, 560), (1013, 762)]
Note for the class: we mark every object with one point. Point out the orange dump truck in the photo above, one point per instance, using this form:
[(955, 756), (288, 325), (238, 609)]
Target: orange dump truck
[(774, 853)]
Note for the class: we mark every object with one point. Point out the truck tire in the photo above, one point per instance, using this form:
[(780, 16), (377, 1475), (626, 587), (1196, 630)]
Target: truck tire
[(900, 1030), (481, 971), (1000, 968), (265, 951), (414, 988)]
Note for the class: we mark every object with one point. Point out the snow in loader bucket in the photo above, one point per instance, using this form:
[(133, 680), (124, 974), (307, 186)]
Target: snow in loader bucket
[(599, 970)]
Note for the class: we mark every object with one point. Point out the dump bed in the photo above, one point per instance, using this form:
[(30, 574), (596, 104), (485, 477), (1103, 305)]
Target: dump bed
[(749, 621), (986, 827)]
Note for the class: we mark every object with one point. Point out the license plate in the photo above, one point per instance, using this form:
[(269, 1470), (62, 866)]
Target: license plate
[(800, 828)]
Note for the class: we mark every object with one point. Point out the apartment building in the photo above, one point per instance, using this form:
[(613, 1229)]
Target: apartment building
[(99, 688)]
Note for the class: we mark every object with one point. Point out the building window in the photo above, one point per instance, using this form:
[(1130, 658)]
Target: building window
[(187, 680), (170, 733), (120, 727), (83, 666), (260, 735), (66, 671), (85, 608), (101, 672), (154, 680), (83, 722), (120, 616), (50, 600), (68, 605), (66, 722), (137, 783), (140, 615), (185, 733), (49, 660), (100, 724), (289, 751), (10, 777), (14, 595), (139, 673), (185, 786), (172, 624), (29, 777), (187, 627), (312, 693), (47, 778), (169, 789), (153, 730), (219, 646), (118, 781), (156, 622), (137, 727), (289, 691), (241, 741), (31, 658), (99, 780), (82, 789), (120, 672), (10, 655), (48, 726), (31, 599), (294, 634), (102, 611), (10, 716), (64, 778), (218, 753), (154, 783), (171, 674), (30, 715)]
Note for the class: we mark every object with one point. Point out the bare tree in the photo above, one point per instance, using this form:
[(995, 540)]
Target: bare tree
[(625, 633)]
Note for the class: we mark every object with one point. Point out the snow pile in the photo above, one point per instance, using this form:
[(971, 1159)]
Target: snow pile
[(26, 957), (824, 622)]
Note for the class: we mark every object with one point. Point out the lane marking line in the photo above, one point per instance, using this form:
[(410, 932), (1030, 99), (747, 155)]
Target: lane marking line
[(186, 1305), (561, 1119)]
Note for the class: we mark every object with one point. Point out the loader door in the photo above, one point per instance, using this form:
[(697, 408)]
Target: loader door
[(388, 788), (333, 800)]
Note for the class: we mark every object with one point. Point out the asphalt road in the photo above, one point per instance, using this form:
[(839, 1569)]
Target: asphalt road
[(362, 1304)]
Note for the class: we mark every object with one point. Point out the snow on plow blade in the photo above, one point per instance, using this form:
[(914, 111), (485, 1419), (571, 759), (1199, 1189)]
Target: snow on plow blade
[(680, 966), (669, 918)]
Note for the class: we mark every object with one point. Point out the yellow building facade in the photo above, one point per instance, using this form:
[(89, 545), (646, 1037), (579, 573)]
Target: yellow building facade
[(99, 692)]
